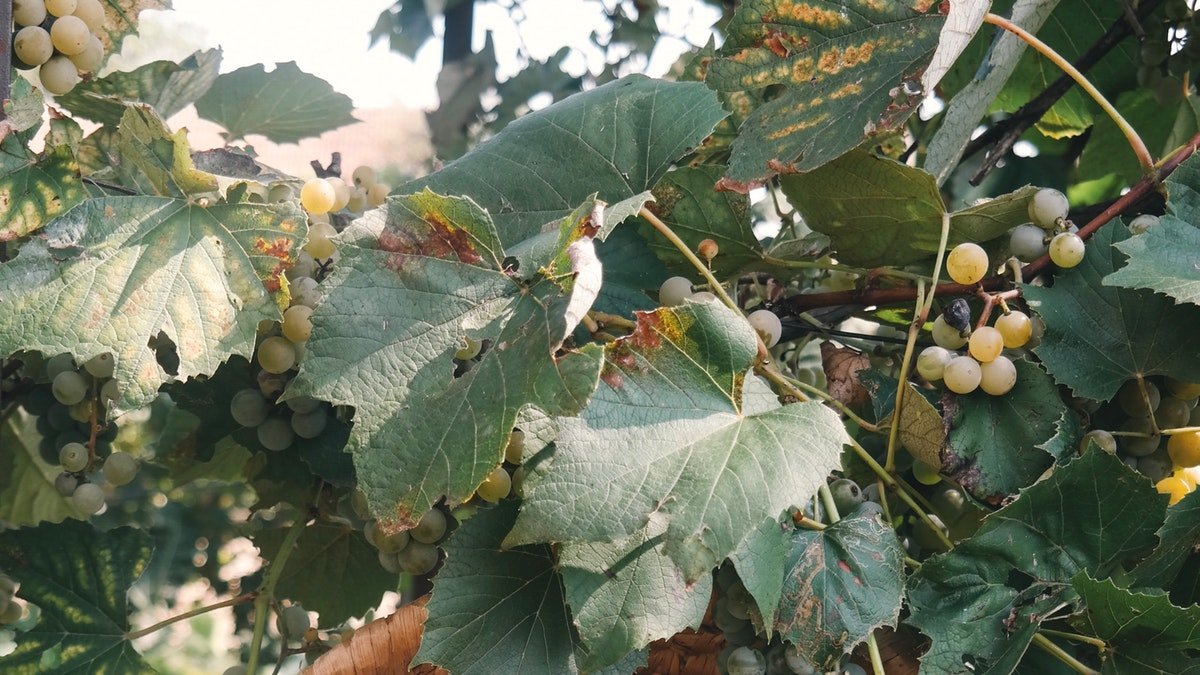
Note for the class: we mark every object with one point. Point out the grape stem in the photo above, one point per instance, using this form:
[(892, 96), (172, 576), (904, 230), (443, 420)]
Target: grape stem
[(823, 395), (890, 296), (1179, 430), (1141, 381), (1061, 654), (989, 302), (231, 602), (901, 490), (1076, 637), (262, 603), (1131, 135)]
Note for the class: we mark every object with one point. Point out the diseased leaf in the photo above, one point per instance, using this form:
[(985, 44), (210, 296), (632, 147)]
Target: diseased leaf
[(841, 584), (676, 390), (351, 580), (155, 160), (23, 107), (35, 189), (286, 105), (1099, 336), (982, 602), (27, 492), (79, 578), (112, 273), (380, 645), (1139, 618), (842, 366), (994, 445), (624, 595), (166, 86), (121, 19), (923, 430), (849, 70), (434, 275), (880, 212), (513, 598)]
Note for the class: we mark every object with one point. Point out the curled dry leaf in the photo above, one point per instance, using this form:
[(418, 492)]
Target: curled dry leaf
[(842, 366), (383, 647)]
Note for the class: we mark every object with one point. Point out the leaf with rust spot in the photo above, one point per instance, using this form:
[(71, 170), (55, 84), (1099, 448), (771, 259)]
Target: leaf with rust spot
[(678, 430), (840, 584), (850, 69), (423, 273), (842, 366)]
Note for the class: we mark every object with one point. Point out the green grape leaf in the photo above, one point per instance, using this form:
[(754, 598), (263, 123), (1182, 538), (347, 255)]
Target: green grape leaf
[(624, 595), (23, 107), (1163, 259), (112, 274), (166, 86), (923, 431), (760, 559), (614, 141), (1099, 336), (880, 212), (154, 160), (1139, 660), (436, 276), (1178, 536), (849, 70), (78, 576), (993, 448), (841, 584), (685, 200), (332, 570), (981, 603), (676, 412), (1107, 152), (286, 105), (35, 189), (513, 596), (1142, 618), (27, 492)]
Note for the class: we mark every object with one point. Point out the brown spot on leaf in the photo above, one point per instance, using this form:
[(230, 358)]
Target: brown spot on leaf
[(842, 366), (818, 16), (777, 45), (437, 239), (850, 89), (797, 127)]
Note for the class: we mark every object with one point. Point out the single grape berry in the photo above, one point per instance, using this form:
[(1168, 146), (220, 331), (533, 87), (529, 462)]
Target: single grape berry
[(418, 558), (767, 325), (1172, 413), (297, 323), (1066, 250), (931, 363), (120, 468), (431, 528), (846, 495), (925, 474), (998, 377), (317, 196), (100, 366), (962, 375), (73, 457), (514, 450), (1016, 328), (1103, 440), (276, 355), (293, 621), (746, 661), (1188, 391), (985, 344), (469, 350), (967, 263), (1142, 223), (1184, 448), (70, 35), (58, 75), (310, 424), (61, 7), (341, 193), (69, 388), (276, 434), (1134, 403), (947, 336), (674, 291), (88, 498), (707, 249), (957, 314), (496, 486), (320, 243), (33, 46), (1143, 444), (65, 484), (28, 12), (1047, 207), (377, 194), (363, 176), (1027, 242), (92, 14), (249, 407), (1173, 486)]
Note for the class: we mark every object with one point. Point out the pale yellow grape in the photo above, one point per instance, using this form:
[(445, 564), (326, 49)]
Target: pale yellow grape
[(1015, 327), (377, 194), (317, 196), (1027, 242), (962, 375), (28, 13), (363, 176), (674, 291), (32, 45), (276, 355), (1103, 440), (1066, 250), (341, 193), (998, 377), (469, 350), (1047, 207), (297, 323), (120, 468), (767, 325), (358, 200), (58, 75), (320, 246), (931, 363), (100, 365), (496, 486), (514, 450), (947, 336), (91, 57), (92, 13), (61, 7), (70, 35), (1183, 390), (1174, 486), (925, 474), (985, 344), (967, 263)]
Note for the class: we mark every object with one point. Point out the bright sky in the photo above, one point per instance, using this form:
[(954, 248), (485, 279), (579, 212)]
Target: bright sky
[(331, 40)]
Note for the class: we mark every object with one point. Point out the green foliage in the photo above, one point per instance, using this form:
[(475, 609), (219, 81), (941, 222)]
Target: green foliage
[(35, 188), (27, 494), (167, 86)]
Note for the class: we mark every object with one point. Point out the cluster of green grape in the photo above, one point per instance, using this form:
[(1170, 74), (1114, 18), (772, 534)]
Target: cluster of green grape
[(1048, 231), (413, 551), (1171, 461), (677, 290), (67, 400), (61, 38), (983, 366), (1168, 51), (322, 196), (10, 608)]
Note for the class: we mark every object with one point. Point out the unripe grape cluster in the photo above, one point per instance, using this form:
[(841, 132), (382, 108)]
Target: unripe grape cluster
[(1049, 231), (1140, 413), (746, 651), (61, 38), (414, 551), (71, 404)]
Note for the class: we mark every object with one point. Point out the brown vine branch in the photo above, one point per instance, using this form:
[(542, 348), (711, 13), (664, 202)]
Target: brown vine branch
[(890, 296), (1006, 133)]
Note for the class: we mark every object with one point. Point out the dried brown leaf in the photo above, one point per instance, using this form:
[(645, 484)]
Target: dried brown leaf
[(842, 366), (383, 647)]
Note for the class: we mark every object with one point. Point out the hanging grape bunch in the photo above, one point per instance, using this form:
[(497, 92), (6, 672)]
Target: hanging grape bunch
[(61, 38)]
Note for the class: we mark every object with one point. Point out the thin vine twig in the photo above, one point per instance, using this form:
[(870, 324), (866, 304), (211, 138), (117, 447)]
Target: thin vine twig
[(262, 604), (231, 602)]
